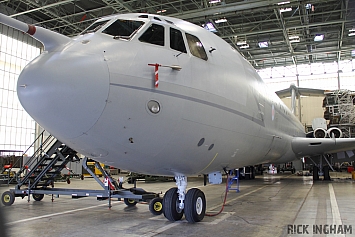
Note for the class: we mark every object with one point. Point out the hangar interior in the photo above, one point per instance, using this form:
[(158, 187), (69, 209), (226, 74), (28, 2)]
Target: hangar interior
[(307, 44), (310, 44)]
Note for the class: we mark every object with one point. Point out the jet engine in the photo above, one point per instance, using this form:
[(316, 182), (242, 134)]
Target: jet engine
[(334, 133), (320, 133)]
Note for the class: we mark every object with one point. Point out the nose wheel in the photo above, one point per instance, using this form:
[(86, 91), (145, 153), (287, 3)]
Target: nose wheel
[(195, 205), (176, 203), (171, 202)]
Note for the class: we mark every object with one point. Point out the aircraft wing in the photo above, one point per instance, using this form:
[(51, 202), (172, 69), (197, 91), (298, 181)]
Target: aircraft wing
[(317, 146)]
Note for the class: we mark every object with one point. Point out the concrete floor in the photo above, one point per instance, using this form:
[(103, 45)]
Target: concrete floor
[(270, 205)]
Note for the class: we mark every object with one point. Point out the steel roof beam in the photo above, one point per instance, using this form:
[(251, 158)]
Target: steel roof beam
[(290, 27), (43, 7), (323, 51)]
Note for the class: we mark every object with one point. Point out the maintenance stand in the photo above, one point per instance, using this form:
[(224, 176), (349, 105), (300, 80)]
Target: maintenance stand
[(47, 163)]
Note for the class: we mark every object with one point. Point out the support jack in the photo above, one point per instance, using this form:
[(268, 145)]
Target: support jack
[(233, 178)]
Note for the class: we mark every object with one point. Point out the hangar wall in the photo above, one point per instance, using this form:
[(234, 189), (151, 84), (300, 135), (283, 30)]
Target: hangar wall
[(327, 76), (17, 128), (311, 108)]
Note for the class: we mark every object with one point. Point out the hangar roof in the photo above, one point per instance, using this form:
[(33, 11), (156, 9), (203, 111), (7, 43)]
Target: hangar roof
[(268, 33)]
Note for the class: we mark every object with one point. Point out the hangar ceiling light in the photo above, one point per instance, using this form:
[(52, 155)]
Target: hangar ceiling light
[(264, 44), (220, 20), (294, 38), (244, 46), (209, 26), (286, 9), (319, 38)]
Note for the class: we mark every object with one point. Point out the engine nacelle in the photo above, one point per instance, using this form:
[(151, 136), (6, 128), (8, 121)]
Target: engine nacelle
[(320, 133), (334, 133)]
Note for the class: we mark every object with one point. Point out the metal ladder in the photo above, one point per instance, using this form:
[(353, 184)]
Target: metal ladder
[(46, 164)]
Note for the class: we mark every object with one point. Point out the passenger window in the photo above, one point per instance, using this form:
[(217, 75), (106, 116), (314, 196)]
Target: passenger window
[(123, 28), (153, 35), (177, 41), (196, 47)]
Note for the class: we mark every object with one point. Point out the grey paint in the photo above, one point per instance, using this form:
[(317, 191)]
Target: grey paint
[(92, 94)]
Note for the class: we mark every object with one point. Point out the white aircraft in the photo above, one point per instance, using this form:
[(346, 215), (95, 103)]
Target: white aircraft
[(161, 96)]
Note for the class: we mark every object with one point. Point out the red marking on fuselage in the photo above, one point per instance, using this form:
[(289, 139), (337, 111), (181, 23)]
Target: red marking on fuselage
[(31, 30)]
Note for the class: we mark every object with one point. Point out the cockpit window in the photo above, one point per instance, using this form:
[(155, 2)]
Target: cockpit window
[(196, 47), (123, 28), (177, 41), (94, 27), (153, 35)]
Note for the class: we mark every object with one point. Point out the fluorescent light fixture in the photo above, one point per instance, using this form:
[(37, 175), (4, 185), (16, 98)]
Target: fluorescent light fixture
[(220, 20), (209, 26), (241, 43), (264, 44), (215, 1), (287, 9), (351, 32), (161, 11), (294, 38), (245, 46), (282, 3), (319, 38)]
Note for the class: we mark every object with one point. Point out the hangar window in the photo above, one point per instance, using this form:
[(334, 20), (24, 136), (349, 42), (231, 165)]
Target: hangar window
[(123, 28), (177, 41), (95, 27), (196, 47), (153, 35)]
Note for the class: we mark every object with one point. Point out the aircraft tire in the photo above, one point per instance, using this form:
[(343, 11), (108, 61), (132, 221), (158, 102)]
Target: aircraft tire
[(37, 197), (129, 202), (326, 173), (8, 198), (241, 174), (252, 171), (156, 206), (171, 205), (195, 205), (315, 173), (247, 172)]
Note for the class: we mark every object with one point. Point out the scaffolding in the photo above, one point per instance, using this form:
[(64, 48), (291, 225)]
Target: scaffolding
[(340, 111)]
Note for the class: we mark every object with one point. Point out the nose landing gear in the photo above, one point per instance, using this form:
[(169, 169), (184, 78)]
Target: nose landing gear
[(176, 202)]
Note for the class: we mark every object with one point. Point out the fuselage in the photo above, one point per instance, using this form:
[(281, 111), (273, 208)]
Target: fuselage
[(94, 95)]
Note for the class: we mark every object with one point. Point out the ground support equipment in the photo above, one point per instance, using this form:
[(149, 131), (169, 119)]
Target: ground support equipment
[(42, 169), (111, 189), (233, 178)]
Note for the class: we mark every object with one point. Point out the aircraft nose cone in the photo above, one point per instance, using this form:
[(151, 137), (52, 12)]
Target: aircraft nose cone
[(65, 92)]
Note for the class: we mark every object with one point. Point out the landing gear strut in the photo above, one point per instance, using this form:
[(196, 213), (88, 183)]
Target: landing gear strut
[(176, 202)]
